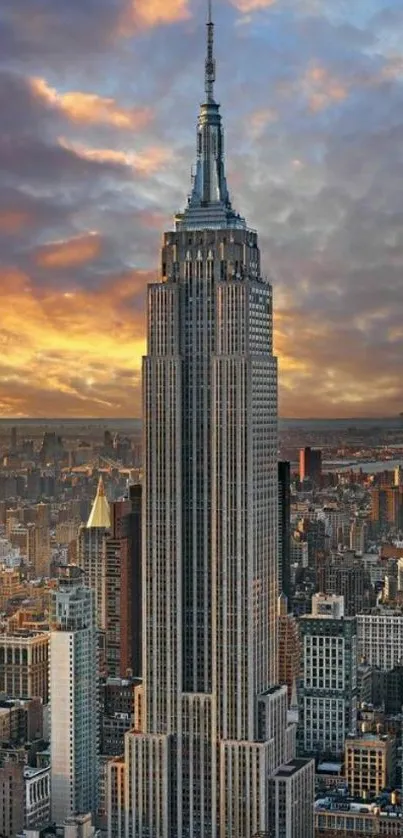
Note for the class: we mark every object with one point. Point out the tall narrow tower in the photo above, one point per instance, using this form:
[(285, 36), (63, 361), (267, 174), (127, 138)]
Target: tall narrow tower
[(73, 683), (213, 720)]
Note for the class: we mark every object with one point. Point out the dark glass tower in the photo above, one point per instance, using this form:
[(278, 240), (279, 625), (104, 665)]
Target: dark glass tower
[(284, 528)]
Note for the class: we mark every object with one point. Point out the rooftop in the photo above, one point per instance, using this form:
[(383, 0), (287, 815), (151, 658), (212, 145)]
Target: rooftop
[(381, 806), (30, 772), (291, 768)]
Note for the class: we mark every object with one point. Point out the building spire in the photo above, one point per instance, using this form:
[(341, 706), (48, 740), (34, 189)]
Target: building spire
[(209, 204), (209, 77), (100, 515)]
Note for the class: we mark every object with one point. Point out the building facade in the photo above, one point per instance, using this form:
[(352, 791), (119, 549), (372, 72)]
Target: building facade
[(289, 645), (116, 798), (73, 670), (37, 796), (292, 799), (328, 697), (370, 764), (380, 637), (123, 605), (310, 464), (355, 819), (214, 720), (387, 507), (343, 574), (24, 664), (11, 799)]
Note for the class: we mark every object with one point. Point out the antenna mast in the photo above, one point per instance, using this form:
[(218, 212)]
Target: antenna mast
[(210, 61)]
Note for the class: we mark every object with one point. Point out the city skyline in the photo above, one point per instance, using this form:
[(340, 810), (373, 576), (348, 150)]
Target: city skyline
[(96, 159)]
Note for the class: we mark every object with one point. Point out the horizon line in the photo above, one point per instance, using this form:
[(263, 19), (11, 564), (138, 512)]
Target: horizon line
[(139, 418)]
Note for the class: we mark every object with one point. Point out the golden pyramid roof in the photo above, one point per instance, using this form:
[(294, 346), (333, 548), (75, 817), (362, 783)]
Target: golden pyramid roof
[(100, 515)]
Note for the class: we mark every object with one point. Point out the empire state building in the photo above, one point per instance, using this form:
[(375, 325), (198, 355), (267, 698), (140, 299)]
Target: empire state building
[(212, 755)]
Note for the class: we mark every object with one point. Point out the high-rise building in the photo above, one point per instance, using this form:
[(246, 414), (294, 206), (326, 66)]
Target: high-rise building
[(73, 671), (358, 536), (284, 527), (43, 514), (328, 695), (123, 587), (109, 553), (290, 790), (310, 464), (38, 550), (117, 713), (313, 532), (214, 720), (90, 551), (12, 801), (343, 574), (393, 690), (116, 797), (24, 664), (289, 644), (387, 506), (380, 637)]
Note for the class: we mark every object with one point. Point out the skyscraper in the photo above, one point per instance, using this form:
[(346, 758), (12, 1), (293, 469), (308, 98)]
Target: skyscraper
[(73, 681), (91, 558), (310, 464), (123, 587), (328, 695), (214, 720)]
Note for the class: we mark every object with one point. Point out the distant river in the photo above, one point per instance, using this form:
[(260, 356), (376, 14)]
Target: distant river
[(368, 468)]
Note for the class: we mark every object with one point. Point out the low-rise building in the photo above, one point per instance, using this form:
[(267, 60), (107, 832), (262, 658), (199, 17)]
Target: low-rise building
[(370, 764), (21, 721), (76, 826), (337, 816)]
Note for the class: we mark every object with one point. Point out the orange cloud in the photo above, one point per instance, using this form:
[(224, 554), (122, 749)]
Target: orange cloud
[(69, 253), (82, 347), (91, 109), (322, 89), (259, 120), (13, 221), (78, 352), (155, 12), (148, 161)]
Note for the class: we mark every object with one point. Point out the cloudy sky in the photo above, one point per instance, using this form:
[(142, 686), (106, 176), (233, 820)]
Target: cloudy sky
[(99, 101)]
